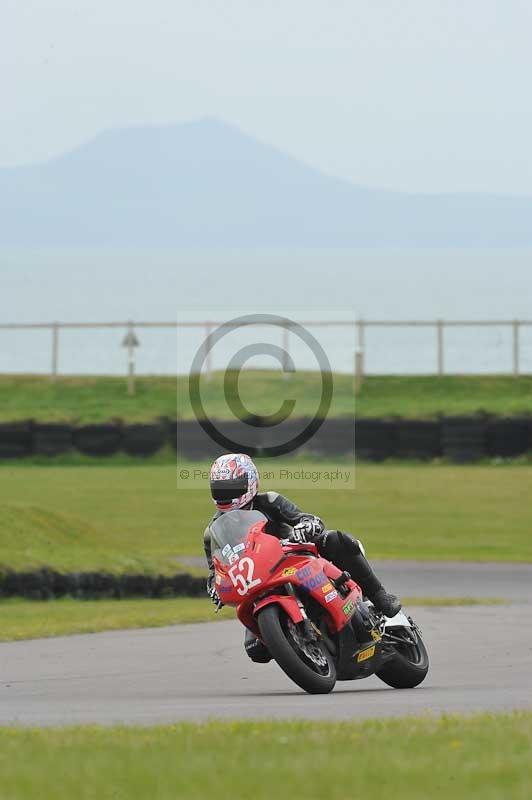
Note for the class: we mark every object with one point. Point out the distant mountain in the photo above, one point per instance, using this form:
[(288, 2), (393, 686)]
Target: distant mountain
[(206, 183)]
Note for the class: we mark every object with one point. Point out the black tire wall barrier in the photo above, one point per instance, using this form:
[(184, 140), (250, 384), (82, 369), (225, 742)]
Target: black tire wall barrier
[(460, 439), (16, 439), (192, 441), (98, 440), (47, 584), (464, 438), (509, 437), (334, 437), (51, 439), (143, 440), (375, 439), (418, 439)]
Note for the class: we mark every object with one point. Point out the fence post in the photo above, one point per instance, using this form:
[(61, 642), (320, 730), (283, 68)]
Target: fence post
[(515, 327), (439, 328), (55, 351), (130, 359), (360, 339), (359, 370)]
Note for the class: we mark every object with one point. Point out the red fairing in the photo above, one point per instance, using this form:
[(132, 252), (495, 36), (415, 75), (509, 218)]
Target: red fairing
[(287, 602), (264, 565)]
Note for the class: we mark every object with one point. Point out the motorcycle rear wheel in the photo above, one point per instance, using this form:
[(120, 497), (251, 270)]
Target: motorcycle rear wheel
[(408, 666), (310, 665)]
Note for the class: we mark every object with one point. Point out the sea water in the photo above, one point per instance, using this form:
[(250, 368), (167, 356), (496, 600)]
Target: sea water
[(107, 285)]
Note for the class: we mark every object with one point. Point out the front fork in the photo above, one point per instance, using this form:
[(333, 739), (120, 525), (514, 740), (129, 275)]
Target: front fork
[(291, 603), (306, 626)]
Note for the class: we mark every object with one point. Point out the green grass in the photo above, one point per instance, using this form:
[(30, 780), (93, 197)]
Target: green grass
[(412, 758), (33, 535), (426, 397), (96, 399), (85, 399), (28, 619), (73, 458), (134, 518)]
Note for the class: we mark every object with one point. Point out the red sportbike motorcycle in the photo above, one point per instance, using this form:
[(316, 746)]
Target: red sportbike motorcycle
[(311, 616)]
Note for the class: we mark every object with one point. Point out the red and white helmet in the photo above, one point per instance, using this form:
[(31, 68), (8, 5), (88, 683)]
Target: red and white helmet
[(234, 481)]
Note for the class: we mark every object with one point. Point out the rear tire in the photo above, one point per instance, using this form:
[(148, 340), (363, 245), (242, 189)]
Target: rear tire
[(277, 633), (408, 666)]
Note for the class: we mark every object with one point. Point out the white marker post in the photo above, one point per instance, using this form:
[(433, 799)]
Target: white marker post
[(130, 341)]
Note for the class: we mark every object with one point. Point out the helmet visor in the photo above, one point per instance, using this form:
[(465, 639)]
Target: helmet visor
[(225, 491)]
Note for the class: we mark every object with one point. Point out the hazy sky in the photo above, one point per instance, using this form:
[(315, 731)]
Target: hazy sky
[(417, 94)]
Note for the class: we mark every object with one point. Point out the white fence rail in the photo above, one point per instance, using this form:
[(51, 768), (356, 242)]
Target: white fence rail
[(357, 333)]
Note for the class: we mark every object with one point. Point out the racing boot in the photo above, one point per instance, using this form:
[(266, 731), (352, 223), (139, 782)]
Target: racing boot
[(256, 650), (373, 589), (348, 554), (388, 604)]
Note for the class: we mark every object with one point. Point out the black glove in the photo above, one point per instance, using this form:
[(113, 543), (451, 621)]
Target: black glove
[(213, 594), (307, 529)]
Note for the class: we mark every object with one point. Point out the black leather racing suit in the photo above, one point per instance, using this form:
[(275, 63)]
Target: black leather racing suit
[(340, 548)]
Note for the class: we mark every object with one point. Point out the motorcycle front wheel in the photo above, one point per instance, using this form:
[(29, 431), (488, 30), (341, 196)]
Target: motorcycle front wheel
[(409, 664), (307, 663)]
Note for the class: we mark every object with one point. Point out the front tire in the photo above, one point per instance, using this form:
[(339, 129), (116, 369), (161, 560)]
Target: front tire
[(310, 665), (409, 664)]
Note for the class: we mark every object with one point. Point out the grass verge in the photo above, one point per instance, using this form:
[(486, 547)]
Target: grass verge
[(96, 399), (27, 619), (135, 519), (461, 757)]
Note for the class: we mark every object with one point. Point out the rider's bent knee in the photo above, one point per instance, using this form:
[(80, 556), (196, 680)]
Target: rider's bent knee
[(334, 544)]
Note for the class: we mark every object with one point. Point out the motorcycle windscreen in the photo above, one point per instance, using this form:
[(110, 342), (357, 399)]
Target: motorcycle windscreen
[(229, 532)]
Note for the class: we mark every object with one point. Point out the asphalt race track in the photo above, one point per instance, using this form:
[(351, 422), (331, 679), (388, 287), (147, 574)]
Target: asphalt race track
[(481, 660), (511, 581)]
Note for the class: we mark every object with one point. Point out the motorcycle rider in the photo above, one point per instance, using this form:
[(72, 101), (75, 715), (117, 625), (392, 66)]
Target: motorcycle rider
[(234, 483)]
